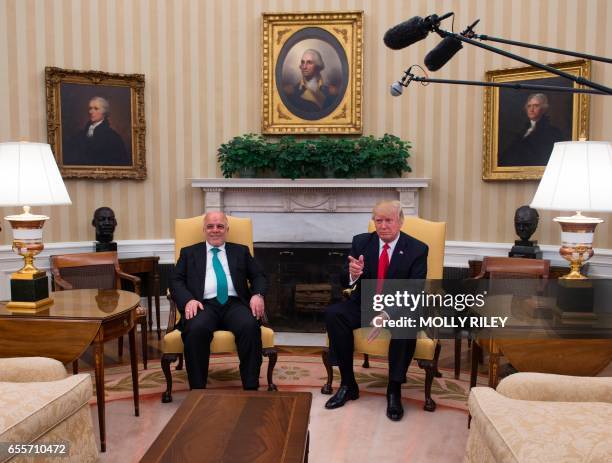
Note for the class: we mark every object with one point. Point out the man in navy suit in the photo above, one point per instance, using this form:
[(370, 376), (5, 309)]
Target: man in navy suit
[(210, 286), (385, 254)]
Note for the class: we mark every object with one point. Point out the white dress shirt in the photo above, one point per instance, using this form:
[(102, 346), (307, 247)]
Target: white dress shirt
[(210, 283), (92, 127)]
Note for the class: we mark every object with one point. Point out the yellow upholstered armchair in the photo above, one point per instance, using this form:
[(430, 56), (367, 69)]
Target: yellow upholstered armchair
[(188, 232), (427, 350)]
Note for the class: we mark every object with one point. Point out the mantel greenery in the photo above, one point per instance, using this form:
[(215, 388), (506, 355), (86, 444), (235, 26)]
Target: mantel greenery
[(251, 155)]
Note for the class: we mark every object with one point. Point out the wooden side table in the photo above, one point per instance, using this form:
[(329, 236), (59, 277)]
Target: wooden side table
[(76, 319), (149, 267)]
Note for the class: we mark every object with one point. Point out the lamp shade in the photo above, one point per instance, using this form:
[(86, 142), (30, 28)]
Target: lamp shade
[(29, 176), (578, 177)]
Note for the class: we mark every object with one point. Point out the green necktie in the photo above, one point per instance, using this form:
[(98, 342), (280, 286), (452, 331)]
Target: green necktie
[(220, 275)]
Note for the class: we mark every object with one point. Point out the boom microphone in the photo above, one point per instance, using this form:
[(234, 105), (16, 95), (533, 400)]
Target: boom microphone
[(411, 31), (443, 53), (446, 49)]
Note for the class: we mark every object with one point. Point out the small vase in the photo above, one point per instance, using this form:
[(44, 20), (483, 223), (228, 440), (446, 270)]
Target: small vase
[(247, 172), (377, 172)]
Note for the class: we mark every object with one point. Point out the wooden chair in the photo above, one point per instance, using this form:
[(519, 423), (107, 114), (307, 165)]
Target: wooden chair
[(188, 232), (427, 349), (503, 268), (96, 270)]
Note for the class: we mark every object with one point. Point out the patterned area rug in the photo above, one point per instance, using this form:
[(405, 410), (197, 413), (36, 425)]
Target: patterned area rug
[(296, 367)]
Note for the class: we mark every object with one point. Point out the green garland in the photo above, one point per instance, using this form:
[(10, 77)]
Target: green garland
[(252, 155)]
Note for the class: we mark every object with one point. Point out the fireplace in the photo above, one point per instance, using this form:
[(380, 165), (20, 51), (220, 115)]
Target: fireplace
[(302, 231), (303, 278)]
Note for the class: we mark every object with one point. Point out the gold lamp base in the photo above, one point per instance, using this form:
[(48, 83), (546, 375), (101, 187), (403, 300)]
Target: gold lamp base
[(29, 307), (29, 285)]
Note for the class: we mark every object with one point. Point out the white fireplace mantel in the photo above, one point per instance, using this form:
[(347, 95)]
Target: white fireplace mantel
[(307, 210)]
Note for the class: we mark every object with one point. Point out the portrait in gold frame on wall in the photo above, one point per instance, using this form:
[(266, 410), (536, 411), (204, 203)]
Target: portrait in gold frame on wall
[(312, 73), (521, 126), (96, 123)]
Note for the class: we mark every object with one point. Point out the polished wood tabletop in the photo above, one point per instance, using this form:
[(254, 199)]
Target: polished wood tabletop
[(236, 426), (77, 304), (77, 319)]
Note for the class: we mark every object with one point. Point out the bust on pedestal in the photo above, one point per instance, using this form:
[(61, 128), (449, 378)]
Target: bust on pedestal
[(525, 224), (105, 223)]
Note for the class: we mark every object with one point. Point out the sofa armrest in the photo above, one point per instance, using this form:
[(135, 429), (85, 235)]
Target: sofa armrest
[(556, 388), (31, 369)]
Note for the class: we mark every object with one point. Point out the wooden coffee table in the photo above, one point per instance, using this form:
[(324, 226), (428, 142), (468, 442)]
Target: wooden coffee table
[(236, 426), (64, 330)]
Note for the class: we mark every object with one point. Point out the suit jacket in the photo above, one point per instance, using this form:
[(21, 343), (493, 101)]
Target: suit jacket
[(535, 148), (187, 280), (104, 148), (409, 260)]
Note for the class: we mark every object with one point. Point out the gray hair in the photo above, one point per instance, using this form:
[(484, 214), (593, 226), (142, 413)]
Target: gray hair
[(538, 96), (389, 207), (318, 60), (103, 102)]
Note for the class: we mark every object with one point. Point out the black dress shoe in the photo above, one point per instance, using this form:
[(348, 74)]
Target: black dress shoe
[(395, 410), (341, 396)]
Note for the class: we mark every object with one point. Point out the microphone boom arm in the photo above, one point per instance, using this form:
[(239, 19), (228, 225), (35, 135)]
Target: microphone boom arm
[(541, 47), (409, 77), (579, 80)]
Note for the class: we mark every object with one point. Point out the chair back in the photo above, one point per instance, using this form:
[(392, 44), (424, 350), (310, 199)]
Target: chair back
[(514, 267), (433, 234), (87, 270), (191, 231)]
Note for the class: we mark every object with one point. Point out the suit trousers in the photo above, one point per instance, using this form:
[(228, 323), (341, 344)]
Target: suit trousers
[(198, 332), (341, 319)]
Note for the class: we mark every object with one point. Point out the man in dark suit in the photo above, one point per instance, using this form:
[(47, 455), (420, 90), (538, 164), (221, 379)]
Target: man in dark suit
[(210, 286), (533, 145), (382, 255), (98, 143)]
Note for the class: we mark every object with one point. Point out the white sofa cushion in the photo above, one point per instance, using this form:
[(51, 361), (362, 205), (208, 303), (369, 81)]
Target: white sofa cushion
[(30, 410)]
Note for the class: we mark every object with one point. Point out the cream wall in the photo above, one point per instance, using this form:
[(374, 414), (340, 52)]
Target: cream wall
[(202, 65)]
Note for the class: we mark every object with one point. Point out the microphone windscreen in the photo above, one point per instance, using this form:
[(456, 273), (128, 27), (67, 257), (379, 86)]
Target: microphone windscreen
[(396, 89), (406, 33), (442, 54)]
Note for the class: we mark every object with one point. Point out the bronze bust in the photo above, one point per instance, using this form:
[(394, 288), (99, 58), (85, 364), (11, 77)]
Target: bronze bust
[(525, 224), (105, 223)]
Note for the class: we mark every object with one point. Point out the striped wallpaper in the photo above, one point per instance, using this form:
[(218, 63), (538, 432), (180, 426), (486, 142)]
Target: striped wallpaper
[(202, 65)]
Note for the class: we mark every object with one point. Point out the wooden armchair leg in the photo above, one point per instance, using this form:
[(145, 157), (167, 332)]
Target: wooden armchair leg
[(166, 360), (327, 387), (437, 373), (366, 361), (120, 346), (179, 365), (75, 367), (143, 338), (429, 367), (457, 354), (272, 354)]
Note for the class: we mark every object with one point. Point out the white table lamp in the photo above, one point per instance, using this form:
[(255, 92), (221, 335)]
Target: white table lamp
[(29, 177), (578, 177)]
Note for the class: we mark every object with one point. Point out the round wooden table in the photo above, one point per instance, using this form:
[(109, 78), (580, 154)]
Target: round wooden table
[(64, 330)]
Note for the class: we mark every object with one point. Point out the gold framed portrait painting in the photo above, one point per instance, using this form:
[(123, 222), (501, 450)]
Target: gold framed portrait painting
[(312, 73), (521, 126), (96, 123)]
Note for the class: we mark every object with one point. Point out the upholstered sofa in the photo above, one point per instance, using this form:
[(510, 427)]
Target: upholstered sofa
[(40, 403), (537, 417)]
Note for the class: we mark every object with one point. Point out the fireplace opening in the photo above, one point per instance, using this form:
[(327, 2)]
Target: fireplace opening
[(303, 279)]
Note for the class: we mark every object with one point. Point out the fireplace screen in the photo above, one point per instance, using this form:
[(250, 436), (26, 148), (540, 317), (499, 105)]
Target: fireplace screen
[(304, 278)]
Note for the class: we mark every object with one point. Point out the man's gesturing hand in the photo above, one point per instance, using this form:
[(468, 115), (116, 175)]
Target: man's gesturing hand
[(191, 308), (257, 306), (355, 267)]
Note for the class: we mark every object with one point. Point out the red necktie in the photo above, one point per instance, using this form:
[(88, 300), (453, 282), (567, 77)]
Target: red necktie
[(383, 265)]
